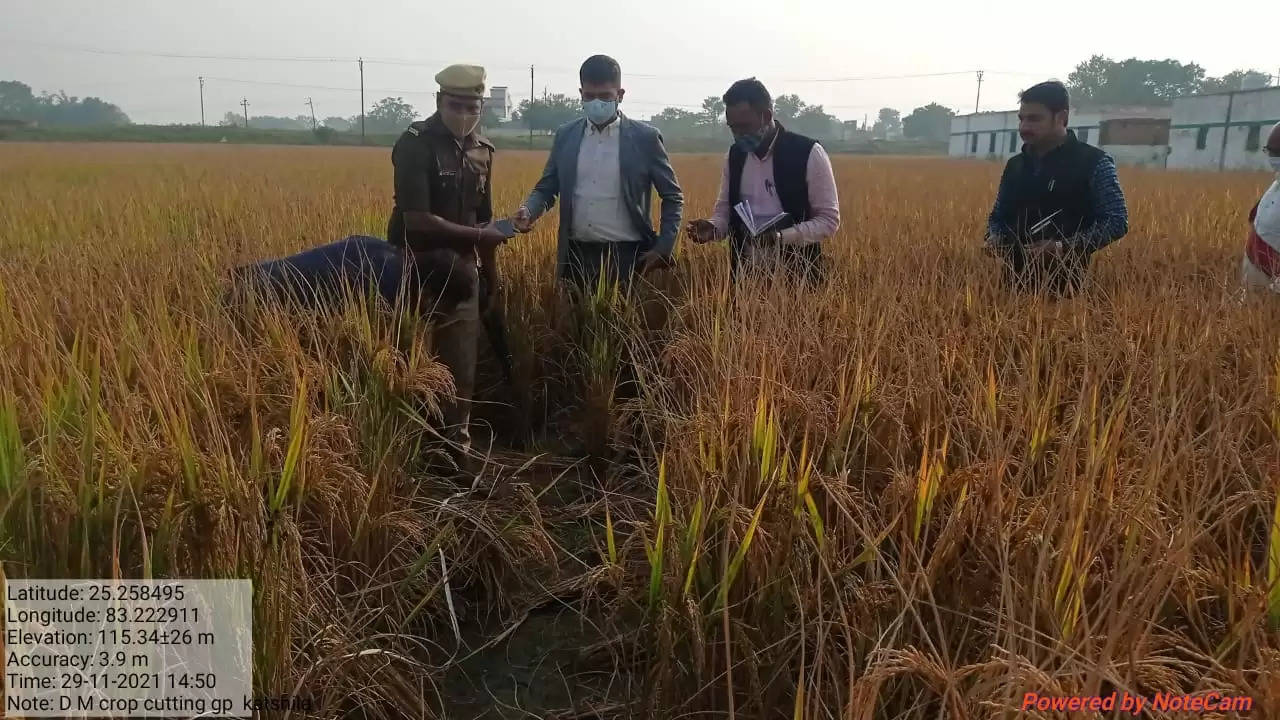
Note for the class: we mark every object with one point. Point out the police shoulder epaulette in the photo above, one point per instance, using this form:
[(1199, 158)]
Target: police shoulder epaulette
[(413, 130)]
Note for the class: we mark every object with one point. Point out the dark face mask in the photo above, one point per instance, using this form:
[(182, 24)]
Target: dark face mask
[(750, 142)]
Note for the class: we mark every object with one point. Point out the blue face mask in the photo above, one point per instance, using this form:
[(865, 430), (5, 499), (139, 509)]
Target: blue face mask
[(600, 112), (751, 141)]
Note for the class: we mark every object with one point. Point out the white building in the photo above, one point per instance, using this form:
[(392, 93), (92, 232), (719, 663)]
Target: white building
[(1132, 135), (1223, 131), (985, 135), (500, 100)]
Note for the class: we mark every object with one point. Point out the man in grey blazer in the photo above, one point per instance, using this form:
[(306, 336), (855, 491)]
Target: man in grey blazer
[(603, 167)]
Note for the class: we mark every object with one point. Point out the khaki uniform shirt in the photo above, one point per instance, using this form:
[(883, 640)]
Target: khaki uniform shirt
[(436, 173)]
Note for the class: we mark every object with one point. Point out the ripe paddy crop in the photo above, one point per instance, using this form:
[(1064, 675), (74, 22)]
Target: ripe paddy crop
[(906, 495)]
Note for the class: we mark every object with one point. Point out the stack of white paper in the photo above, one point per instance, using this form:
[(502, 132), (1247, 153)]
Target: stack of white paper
[(755, 225)]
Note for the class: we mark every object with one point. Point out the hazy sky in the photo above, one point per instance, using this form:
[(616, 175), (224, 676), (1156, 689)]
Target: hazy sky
[(672, 52)]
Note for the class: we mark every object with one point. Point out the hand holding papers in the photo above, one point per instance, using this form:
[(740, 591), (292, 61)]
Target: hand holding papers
[(758, 227)]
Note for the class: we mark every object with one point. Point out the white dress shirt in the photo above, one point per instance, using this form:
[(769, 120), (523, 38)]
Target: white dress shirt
[(599, 212)]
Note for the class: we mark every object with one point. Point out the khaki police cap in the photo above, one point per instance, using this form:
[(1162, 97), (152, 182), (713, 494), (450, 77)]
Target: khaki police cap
[(462, 80)]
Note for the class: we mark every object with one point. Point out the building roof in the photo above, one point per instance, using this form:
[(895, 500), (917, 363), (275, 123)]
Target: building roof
[(984, 112), (1090, 109), (1229, 92)]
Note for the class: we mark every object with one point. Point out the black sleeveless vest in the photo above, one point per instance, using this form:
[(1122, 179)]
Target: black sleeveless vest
[(1055, 186), (1056, 183), (790, 164)]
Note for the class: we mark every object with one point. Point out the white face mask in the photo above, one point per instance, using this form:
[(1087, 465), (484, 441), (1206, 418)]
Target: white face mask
[(460, 124), (600, 112), (1275, 163)]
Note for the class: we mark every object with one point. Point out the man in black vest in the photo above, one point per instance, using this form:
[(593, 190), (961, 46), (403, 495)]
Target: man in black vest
[(774, 171), (1059, 200)]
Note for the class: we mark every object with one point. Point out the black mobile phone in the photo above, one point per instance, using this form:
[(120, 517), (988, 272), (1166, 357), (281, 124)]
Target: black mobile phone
[(506, 227)]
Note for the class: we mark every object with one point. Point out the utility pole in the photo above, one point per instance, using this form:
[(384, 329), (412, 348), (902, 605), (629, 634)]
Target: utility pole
[(1226, 132), (201, 101), (244, 103), (313, 113), (361, 101), (979, 98), (530, 107)]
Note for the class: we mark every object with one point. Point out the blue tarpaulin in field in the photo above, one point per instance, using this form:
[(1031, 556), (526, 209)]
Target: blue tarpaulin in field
[(358, 263), (322, 273)]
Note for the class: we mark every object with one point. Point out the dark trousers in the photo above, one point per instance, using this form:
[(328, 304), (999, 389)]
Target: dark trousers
[(804, 264), (590, 261), (1061, 277)]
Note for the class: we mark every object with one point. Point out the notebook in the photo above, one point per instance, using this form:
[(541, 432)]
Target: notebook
[(758, 226)]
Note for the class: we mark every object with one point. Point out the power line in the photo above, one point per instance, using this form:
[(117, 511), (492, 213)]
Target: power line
[(727, 76), (721, 78), (190, 56), (1022, 72), (514, 96), (548, 69), (439, 63), (315, 87), (553, 70), (870, 78), (134, 80)]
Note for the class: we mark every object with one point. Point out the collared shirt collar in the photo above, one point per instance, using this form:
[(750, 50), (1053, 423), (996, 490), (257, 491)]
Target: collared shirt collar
[(777, 131), (435, 125), (609, 128), (1070, 139)]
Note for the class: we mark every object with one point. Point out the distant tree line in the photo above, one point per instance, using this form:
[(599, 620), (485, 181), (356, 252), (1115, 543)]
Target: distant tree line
[(931, 122), (388, 115), (547, 114), (266, 122), (19, 104), (1103, 81), (1096, 81)]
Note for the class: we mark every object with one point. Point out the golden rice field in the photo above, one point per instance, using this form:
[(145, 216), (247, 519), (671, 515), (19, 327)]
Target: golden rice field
[(907, 495)]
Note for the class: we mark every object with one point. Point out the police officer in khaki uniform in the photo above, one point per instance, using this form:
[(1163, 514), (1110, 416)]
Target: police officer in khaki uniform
[(443, 213)]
